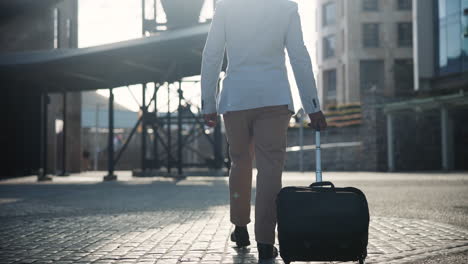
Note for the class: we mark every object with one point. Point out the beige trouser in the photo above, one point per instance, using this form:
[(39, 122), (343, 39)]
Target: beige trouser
[(259, 132)]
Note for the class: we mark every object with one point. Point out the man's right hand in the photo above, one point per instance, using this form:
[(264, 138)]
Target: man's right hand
[(317, 121)]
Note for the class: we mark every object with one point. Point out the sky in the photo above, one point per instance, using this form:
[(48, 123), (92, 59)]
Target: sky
[(107, 21)]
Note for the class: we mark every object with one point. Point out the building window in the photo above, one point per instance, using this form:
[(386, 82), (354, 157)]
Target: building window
[(329, 46), (405, 34), (372, 76), (404, 4), (403, 74), (328, 14), (329, 81), (370, 35), (370, 5)]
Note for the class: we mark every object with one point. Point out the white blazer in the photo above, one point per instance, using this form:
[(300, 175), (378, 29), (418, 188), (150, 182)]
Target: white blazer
[(254, 34)]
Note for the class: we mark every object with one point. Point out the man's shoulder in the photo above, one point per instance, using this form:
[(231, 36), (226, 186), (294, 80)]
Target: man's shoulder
[(286, 3), (288, 7), (220, 4)]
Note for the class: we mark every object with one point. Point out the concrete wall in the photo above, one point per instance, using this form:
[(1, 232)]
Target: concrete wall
[(68, 24), (27, 31), (333, 158), (373, 132), (21, 133), (33, 29), (74, 151), (418, 140)]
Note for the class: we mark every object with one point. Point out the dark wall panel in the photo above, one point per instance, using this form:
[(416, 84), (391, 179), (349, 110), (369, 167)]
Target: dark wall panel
[(22, 134)]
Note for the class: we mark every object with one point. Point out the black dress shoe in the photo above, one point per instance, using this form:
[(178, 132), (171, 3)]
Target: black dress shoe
[(240, 236), (266, 253)]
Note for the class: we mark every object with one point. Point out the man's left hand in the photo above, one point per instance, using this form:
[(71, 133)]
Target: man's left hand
[(317, 121), (211, 119)]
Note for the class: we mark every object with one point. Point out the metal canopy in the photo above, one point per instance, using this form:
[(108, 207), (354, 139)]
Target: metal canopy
[(165, 57), (456, 99)]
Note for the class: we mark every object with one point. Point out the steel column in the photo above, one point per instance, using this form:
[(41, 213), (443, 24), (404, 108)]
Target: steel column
[(64, 136), (96, 144), (179, 131), (124, 147), (143, 131), (110, 162), (44, 135), (446, 139), (169, 149), (155, 128), (42, 176), (390, 145)]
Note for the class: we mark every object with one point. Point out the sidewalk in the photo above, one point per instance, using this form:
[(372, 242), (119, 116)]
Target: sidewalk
[(79, 219)]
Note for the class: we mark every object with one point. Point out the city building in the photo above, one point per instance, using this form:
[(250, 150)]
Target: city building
[(362, 46), (27, 26), (393, 76), (365, 58), (429, 129)]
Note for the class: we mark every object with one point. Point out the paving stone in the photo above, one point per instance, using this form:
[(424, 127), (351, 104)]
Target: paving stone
[(134, 228)]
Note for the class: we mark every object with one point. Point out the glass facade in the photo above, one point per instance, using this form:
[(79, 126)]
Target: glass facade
[(453, 36), (328, 14)]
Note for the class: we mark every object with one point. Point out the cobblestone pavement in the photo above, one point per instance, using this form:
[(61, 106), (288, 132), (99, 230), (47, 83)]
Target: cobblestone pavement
[(157, 220), (461, 257)]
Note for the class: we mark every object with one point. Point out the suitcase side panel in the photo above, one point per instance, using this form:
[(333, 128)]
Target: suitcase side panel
[(321, 224)]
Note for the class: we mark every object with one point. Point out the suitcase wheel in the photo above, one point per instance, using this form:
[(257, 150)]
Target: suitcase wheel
[(361, 261)]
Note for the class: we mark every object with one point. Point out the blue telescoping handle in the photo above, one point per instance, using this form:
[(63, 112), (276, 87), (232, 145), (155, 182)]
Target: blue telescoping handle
[(318, 160)]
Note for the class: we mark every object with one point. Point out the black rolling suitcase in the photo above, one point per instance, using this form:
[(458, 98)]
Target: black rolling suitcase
[(319, 223)]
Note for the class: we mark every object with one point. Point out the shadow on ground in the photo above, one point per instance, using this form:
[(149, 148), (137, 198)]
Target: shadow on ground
[(56, 199)]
